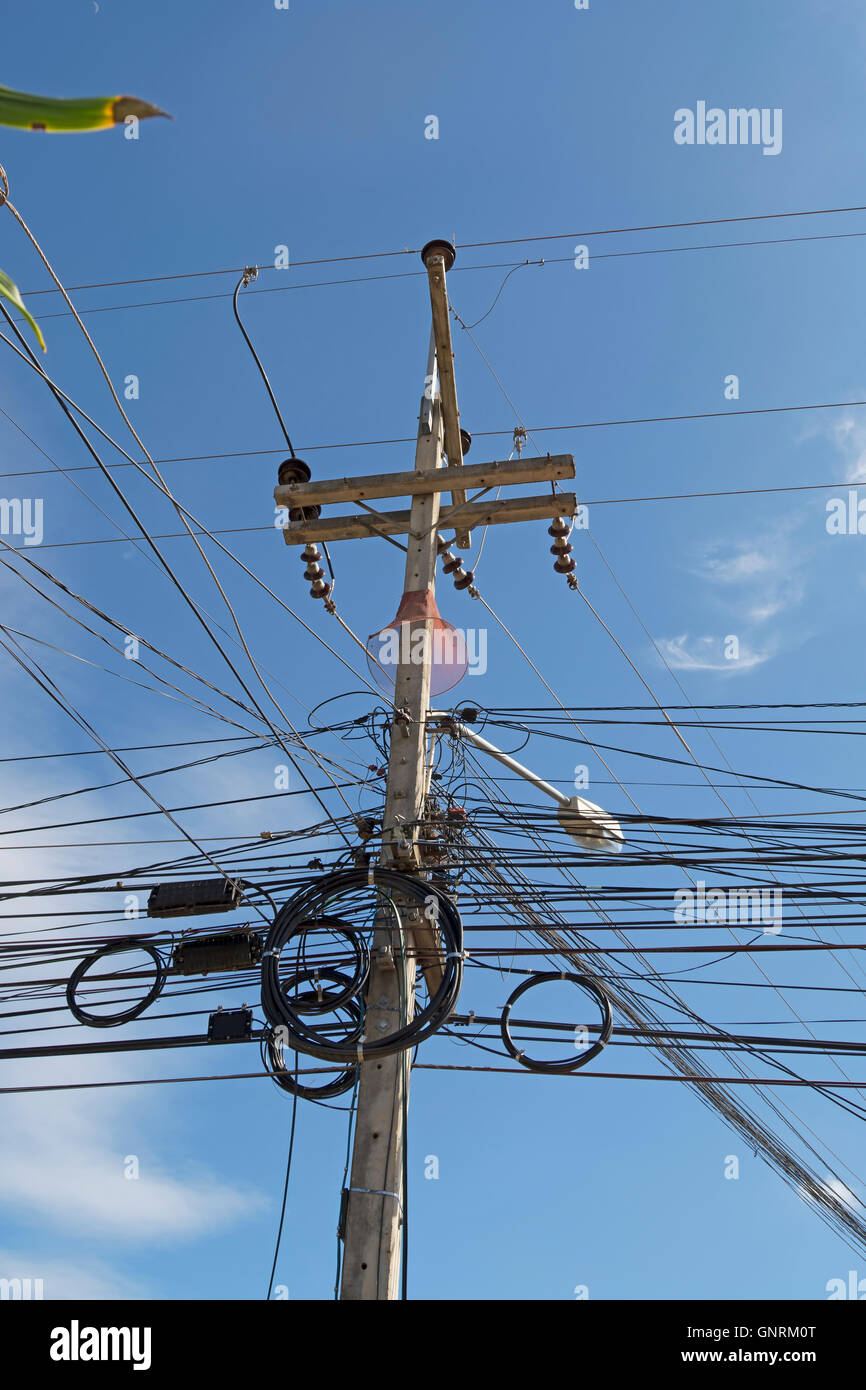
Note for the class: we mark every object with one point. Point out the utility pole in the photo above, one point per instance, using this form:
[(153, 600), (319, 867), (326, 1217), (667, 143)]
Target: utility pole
[(372, 1209)]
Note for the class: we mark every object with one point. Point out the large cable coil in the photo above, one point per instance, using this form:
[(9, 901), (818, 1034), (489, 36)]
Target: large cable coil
[(125, 1015), (393, 896), (571, 1063)]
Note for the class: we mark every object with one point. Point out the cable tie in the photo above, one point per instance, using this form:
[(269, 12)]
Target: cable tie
[(360, 1052)]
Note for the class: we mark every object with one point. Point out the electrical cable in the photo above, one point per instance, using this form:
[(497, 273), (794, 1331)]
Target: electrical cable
[(285, 1195)]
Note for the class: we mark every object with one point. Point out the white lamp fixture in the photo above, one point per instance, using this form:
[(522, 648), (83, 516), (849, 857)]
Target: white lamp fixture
[(587, 824)]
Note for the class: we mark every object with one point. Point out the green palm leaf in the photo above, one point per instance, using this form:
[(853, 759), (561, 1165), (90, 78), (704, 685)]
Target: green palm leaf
[(9, 290), (30, 112)]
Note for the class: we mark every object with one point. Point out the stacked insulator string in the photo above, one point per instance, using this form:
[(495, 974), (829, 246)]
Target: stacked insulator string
[(294, 470), (452, 564), (319, 586), (564, 563)]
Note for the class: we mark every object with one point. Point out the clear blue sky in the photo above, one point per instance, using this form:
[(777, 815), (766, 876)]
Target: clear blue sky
[(306, 127)]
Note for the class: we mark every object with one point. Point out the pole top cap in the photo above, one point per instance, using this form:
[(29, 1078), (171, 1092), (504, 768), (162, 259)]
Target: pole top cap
[(439, 248)]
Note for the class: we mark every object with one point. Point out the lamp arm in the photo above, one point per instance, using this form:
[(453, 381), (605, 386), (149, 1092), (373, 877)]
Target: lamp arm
[(507, 761)]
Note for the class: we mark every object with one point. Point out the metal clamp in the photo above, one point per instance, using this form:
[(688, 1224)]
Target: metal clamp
[(378, 1192)]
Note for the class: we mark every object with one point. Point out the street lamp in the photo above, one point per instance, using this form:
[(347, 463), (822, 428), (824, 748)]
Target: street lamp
[(587, 824)]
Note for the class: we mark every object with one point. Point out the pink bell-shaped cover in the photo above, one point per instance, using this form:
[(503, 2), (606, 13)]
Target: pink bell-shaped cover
[(418, 629)]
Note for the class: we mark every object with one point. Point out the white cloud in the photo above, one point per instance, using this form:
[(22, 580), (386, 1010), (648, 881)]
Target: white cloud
[(62, 1159), (845, 1195), (685, 653), (762, 612), (834, 1189), (846, 432), (62, 1153), (745, 564), (756, 580)]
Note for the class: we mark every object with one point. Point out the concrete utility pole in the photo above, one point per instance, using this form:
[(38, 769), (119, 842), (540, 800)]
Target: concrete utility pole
[(373, 1202), (374, 1208)]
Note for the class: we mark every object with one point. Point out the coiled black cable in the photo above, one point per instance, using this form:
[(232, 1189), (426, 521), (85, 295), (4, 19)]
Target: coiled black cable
[(299, 914), (273, 1058), (318, 1000), (585, 982), (82, 1015)]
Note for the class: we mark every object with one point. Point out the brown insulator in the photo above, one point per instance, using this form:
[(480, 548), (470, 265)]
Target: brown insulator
[(561, 547), (558, 527), (462, 581), (311, 513), (311, 552), (565, 566), (366, 828), (293, 471), (439, 248), (314, 572), (319, 589), (450, 562)]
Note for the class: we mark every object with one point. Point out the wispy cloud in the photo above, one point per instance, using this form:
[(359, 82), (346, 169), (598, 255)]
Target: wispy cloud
[(754, 580), (685, 653), (747, 563), (762, 572), (62, 1156), (836, 1191), (846, 432), (62, 1153)]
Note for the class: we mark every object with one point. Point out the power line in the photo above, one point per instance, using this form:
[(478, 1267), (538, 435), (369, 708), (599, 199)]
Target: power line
[(414, 274), (466, 245), (194, 608), (487, 434)]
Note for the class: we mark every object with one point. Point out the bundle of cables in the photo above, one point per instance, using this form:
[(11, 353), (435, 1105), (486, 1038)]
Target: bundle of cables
[(288, 1010)]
